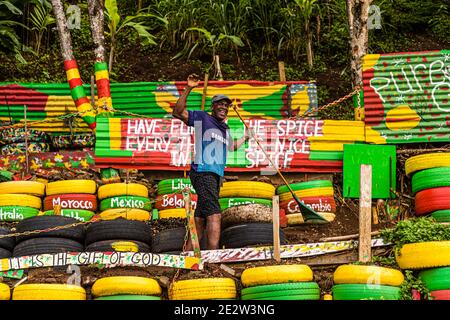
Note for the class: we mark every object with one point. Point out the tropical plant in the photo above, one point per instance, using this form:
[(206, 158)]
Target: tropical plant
[(307, 10), (9, 40), (140, 23), (213, 41), (41, 18)]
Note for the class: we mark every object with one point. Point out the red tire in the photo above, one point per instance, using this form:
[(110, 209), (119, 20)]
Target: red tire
[(173, 201), (440, 294), (430, 200), (71, 201), (319, 204)]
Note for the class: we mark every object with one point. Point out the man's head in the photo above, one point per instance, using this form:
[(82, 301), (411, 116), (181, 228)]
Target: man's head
[(220, 105)]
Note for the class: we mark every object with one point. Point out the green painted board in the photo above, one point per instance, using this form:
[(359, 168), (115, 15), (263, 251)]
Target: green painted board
[(383, 160)]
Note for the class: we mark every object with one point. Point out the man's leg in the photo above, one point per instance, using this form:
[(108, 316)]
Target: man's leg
[(200, 226), (213, 228)]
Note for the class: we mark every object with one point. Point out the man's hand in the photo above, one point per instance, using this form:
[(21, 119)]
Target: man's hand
[(192, 80)]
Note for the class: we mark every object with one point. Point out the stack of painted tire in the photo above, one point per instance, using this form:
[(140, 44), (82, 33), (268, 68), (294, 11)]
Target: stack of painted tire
[(203, 289), (282, 282), (126, 288), (170, 201), (69, 239), (20, 200), (359, 282), (76, 197), (14, 140), (72, 142), (431, 184), (46, 291), (251, 223), (5, 292), (316, 194), (433, 259), (6, 244), (124, 200), (118, 235)]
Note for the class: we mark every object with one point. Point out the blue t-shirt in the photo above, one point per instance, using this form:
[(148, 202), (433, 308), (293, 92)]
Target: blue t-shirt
[(211, 141)]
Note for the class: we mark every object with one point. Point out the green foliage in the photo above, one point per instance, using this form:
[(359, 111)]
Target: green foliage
[(421, 229), (9, 40), (411, 282), (41, 18), (385, 261)]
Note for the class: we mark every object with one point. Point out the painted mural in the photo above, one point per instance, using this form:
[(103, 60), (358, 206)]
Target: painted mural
[(158, 144), (406, 97), (273, 100)]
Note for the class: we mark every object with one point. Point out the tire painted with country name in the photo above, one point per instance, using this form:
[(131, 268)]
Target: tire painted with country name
[(133, 202), (17, 213), (174, 185), (71, 201), (226, 203), (318, 204), (81, 215), (173, 201)]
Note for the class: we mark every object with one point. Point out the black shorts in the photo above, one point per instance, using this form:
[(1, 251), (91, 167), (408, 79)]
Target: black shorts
[(207, 187)]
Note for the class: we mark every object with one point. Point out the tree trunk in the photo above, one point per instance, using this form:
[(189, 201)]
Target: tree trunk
[(111, 55), (96, 17), (309, 49), (358, 15), (63, 30)]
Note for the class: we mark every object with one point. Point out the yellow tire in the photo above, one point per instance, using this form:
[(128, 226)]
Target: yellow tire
[(247, 189), (359, 274), (427, 161), (122, 189), (297, 218), (33, 188), (313, 192), (172, 213), (5, 292), (111, 286), (203, 289), (276, 274), (48, 292), (22, 200), (126, 213), (71, 186), (424, 255)]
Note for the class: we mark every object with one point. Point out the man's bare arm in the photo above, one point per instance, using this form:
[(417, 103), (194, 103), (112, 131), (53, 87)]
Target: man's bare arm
[(179, 111)]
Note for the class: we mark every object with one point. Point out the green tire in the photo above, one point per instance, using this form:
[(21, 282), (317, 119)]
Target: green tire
[(293, 297), (174, 185), (365, 292), (436, 278), (305, 185), (126, 202), (16, 213), (226, 203), (283, 287), (81, 215), (430, 178), (441, 215), (128, 297)]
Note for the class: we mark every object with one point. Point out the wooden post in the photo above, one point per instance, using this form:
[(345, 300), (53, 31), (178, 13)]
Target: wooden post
[(276, 228), (365, 219), (92, 91), (27, 164), (57, 209), (205, 90), (282, 71), (191, 224)]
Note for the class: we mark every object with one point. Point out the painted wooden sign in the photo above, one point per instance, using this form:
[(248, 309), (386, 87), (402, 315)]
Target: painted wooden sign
[(406, 97), (168, 144), (104, 259)]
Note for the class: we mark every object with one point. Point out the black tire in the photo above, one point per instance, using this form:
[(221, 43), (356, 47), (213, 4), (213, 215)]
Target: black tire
[(44, 222), (46, 245), (4, 253), (169, 240), (106, 246), (6, 243), (173, 240), (249, 234), (118, 229)]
